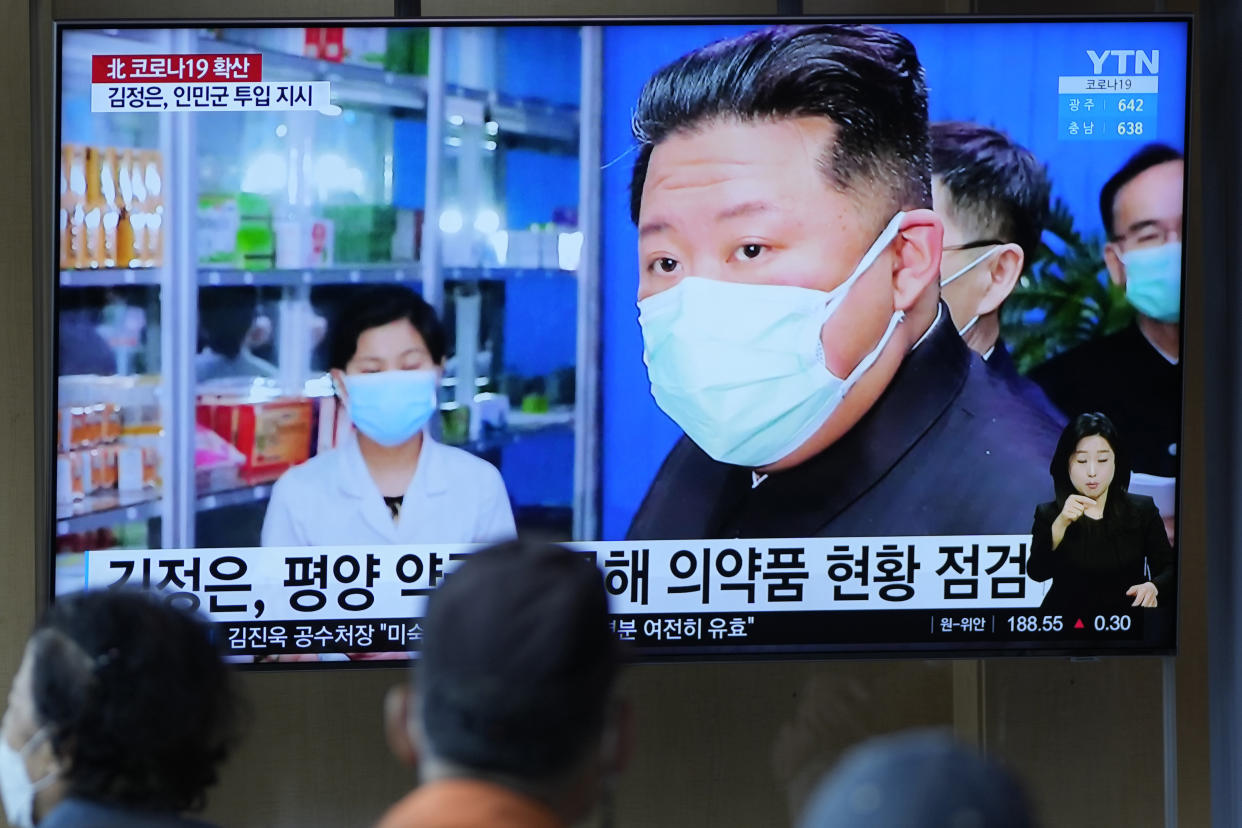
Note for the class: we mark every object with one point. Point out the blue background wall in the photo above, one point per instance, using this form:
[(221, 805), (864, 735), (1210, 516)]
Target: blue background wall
[(1001, 74)]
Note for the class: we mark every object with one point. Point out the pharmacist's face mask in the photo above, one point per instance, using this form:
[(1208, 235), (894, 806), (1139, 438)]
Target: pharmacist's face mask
[(390, 407), (740, 367)]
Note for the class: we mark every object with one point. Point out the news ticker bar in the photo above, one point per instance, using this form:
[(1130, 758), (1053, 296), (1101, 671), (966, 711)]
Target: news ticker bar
[(774, 631)]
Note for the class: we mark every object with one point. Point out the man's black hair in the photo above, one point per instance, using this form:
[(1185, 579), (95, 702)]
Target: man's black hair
[(225, 315), (867, 80), (1088, 425), (996, 185), (377, 305), (139, 705), (518, 661), (1149, 156)]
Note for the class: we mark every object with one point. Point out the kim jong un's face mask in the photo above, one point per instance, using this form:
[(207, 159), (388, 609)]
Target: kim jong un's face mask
[(741, 368)]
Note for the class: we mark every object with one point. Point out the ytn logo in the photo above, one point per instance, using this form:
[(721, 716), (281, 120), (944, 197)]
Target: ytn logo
[(1142, 60)]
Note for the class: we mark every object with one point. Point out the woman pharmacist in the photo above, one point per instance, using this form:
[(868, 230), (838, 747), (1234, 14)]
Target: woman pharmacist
[(389, 482)]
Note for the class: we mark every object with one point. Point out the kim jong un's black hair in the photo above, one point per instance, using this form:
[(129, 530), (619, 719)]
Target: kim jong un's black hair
[(866, 80)]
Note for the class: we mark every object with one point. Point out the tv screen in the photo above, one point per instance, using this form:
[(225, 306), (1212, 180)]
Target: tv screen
[(816, 337)]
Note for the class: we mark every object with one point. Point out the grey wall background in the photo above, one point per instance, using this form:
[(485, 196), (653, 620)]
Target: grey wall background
[(719, 745)]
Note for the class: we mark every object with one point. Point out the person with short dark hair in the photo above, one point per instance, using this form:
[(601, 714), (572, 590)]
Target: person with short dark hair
[(992, 195), (80, 348), (1103, 547), (389, 481), (118, 717), (918, 779), (1134, 376), (512, 714), (789, 302), (226, 317)]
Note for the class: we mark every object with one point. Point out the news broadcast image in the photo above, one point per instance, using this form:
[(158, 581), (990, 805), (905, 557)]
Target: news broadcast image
[(817, 339)]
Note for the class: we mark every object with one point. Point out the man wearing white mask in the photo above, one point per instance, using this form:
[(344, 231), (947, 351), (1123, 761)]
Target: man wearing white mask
[(1134, 376), (992, 195), (790, 307)]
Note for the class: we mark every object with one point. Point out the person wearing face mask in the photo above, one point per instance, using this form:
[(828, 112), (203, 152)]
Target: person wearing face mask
[(1103, 547), (1134, 376), (790, 309), (389, 481), (992, 196), (118, 716)]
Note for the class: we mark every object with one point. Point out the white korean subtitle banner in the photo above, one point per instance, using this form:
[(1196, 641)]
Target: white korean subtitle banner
[(267, 96), (650, 577)]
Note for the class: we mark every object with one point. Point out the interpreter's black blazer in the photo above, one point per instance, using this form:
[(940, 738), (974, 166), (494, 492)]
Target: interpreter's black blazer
[(1098, 560)]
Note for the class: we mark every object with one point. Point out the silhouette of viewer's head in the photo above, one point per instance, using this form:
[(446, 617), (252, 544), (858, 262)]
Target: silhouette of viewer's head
[(122, 700), (516, 679), (918, 779), (225, 316)]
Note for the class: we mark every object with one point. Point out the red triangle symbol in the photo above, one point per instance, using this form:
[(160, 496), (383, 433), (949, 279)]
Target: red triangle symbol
[(1078, 625)]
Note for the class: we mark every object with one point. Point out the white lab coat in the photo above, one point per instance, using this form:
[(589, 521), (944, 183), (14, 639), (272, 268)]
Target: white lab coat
[(331, 500)]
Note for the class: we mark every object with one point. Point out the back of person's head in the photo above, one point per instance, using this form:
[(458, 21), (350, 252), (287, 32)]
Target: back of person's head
[(139, 707), (997, 187), (866, 79), (225, 315), (1149, 156), (377, 305), (518, 663), (918, 779)]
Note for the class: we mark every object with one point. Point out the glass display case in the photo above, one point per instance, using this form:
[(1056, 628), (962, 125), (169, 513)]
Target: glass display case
[(205, 257)]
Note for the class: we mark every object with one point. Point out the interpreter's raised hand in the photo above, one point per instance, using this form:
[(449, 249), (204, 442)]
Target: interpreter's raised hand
[(1144, 594), (1075, 506)]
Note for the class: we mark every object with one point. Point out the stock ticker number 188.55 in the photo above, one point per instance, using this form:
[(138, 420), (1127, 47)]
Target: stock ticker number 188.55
[(1035, 623)]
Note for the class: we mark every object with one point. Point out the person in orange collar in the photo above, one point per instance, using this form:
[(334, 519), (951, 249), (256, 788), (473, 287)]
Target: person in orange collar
[(512, 716)]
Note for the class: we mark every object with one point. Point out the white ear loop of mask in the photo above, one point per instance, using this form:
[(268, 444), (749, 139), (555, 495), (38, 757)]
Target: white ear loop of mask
[(959, 274)]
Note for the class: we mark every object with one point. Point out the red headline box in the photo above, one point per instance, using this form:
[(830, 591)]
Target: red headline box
[(176, 68)]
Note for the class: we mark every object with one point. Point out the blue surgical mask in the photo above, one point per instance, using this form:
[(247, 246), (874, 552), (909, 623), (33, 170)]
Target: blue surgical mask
[(740, 367), (391, 406), (1154, 280)]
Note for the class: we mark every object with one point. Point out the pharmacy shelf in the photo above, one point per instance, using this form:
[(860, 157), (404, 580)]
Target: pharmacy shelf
[(106, 509), (110, 277), (405, 272), (351, 84), (501, 274), (237, 496), (520, 425), (524, 116), (357, 85), (180, 276)]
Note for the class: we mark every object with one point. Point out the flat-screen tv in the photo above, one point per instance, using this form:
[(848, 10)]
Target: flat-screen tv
[(817, 337)]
